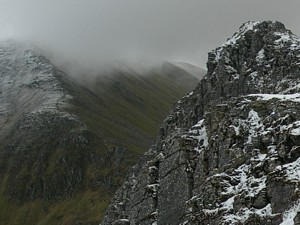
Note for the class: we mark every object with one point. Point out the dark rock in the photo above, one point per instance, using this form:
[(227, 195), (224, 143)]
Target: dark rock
[(230, 153), (297, 219)]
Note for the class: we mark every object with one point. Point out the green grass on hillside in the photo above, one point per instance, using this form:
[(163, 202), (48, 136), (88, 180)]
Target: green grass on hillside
[(128, 108), (84, 208), (125, 109)]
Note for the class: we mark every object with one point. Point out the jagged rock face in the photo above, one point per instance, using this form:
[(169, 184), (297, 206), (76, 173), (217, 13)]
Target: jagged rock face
[(228, 153)]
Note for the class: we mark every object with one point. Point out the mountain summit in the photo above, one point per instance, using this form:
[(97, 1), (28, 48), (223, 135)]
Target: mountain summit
[(228, 153)]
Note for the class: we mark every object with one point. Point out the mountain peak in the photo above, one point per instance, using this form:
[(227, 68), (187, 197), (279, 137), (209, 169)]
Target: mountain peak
[(265, 28), (246, 27), (253, 55), (267, 32)]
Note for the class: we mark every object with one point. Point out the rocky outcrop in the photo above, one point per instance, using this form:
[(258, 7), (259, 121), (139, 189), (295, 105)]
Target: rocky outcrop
[(228, 153)]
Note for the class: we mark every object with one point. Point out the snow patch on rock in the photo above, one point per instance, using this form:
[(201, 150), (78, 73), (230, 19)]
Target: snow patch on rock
[(199, 133), (289, 215)]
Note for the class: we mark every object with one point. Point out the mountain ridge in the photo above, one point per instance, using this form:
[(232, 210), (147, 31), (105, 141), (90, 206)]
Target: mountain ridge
[(192, 69), (66, 145)]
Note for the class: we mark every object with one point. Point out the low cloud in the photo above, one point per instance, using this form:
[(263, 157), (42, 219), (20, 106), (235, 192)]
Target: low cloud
[(93, 33)]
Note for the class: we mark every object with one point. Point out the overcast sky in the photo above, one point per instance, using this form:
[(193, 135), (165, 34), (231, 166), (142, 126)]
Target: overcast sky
[(95, 32)]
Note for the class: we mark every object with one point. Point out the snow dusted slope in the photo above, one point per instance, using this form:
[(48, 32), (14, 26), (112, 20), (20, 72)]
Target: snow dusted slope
[(28, 84), (228, 153), (34, 125)]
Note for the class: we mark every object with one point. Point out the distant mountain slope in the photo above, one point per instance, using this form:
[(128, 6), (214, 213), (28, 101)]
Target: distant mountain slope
[(128, 105), (65, 145), (196, 71)]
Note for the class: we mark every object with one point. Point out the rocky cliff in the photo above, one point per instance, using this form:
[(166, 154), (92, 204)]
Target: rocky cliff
[(228, 153)]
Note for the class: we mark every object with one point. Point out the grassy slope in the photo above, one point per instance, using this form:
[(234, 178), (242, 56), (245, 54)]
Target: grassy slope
[(126, 109), (83, 208)]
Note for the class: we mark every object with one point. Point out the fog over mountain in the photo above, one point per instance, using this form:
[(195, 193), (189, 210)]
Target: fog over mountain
[(96, 32)]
